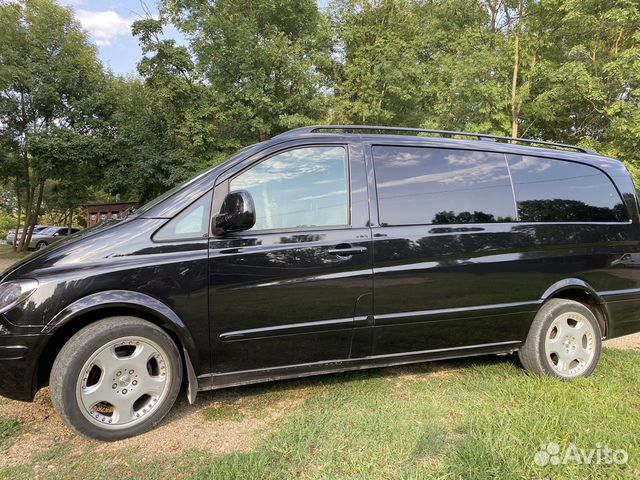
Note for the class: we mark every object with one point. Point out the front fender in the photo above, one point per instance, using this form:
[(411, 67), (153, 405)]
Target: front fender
[(130, 300)]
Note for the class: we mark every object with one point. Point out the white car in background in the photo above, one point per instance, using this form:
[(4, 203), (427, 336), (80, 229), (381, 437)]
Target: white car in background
[(11, 235), (49, 235)]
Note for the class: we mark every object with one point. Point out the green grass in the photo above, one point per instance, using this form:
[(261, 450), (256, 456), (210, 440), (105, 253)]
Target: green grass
[(222, 412), (7, 253), (471, 419), (486, 420), (9, 429)]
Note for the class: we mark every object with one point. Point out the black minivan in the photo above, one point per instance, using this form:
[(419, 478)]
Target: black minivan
[(328, 249)]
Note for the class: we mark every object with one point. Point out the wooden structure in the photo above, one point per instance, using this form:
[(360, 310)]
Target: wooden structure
[(99, 212)]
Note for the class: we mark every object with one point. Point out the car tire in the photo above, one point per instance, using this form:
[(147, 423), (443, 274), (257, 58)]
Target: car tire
[(116, 378), (41, 245), (564, 341)]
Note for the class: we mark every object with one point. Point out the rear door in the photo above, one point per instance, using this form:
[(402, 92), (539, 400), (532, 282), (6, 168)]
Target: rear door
[(444, 264), (288, 291)]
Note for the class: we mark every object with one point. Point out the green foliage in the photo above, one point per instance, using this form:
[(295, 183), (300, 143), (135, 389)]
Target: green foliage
[(559, 70), (7, 222), (264, 60), (50, 82)]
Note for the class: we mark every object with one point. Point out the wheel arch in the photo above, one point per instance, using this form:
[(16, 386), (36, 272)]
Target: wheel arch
[(580, 291), (102, 305)]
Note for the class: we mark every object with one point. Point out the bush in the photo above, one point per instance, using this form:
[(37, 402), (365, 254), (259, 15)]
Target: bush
[(7, 222)]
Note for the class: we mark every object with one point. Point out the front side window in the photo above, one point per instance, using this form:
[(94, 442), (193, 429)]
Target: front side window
[(302, 188), (191, 223), (418, 185), (549, 190)]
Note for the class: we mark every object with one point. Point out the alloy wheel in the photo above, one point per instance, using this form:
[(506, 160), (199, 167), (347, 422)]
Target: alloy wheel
[(123, 382), (570, 344)]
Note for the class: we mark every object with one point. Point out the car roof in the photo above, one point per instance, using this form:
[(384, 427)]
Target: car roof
[(172, 204), (451, 139)]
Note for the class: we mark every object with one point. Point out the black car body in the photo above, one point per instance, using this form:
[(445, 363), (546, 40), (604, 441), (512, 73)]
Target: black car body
[(446, 248)]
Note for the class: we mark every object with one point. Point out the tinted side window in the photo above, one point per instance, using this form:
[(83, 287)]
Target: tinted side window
[(191, 223), (437, 186), (549, 190), (306, 187)]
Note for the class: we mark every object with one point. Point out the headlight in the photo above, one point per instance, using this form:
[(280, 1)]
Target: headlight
[(12, 293)]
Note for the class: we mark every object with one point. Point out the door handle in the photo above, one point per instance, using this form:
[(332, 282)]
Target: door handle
[(346, 250)]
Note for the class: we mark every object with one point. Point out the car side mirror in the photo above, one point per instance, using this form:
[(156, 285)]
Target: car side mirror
[(237, 213), (57, 234)]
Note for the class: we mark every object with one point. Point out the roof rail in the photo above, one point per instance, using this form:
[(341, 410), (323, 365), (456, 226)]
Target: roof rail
[(442, 133)]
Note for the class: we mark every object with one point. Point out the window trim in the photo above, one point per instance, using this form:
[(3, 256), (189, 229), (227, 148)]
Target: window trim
[(227, 190)]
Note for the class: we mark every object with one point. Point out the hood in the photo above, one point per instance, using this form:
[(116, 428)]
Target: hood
[(55, 249)]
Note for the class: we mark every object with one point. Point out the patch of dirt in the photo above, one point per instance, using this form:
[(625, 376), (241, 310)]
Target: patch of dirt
[(421, 372), (43, 429), (5, 263), (183, 429), (628, 342)]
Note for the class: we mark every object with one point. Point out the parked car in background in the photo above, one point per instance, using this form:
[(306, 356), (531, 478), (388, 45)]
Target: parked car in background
[(628, 260), (266, 267), (11, 235), (49, 235)]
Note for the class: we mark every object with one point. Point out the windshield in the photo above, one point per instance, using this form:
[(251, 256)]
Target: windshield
[(48, 231)]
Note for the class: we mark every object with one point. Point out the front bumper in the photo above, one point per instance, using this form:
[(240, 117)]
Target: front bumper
[(18, 365)]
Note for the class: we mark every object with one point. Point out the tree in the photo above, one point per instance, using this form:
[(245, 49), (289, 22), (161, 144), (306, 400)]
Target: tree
[(48, 75), (263, 61), (379, 75), (590, 74), (419, 63)]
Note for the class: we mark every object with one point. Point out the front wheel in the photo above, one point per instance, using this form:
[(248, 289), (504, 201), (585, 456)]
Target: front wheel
[(564, 341), (41, 245), (116, 378)]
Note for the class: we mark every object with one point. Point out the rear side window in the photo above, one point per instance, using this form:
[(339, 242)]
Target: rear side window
[(549, 190), (419, 185)]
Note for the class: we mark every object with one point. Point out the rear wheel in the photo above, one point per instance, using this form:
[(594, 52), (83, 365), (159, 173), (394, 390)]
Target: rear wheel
[(564, 341), (116, 378), (41, 245)]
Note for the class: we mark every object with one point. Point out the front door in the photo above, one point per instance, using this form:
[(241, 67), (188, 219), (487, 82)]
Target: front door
[(287, 291)]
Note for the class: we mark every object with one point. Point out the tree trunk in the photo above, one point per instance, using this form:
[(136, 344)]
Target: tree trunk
[(36, 213), (27, 216), (29, 191), (515, 107), (15, 239)]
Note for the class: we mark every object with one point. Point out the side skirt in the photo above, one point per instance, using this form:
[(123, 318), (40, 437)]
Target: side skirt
[(214, 381)]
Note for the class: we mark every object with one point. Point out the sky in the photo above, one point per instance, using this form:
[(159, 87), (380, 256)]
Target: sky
[(109, 25)]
